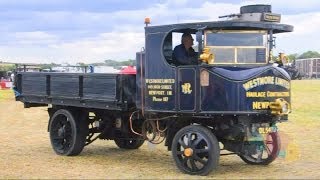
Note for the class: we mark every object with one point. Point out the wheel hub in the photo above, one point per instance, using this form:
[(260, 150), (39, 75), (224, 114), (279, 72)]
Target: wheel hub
[(61, 132), (188, 152)]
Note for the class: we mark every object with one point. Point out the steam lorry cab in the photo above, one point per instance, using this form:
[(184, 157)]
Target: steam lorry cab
[(231, 100)]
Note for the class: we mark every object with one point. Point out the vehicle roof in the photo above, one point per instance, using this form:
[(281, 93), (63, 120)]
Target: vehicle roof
[(221, 25)]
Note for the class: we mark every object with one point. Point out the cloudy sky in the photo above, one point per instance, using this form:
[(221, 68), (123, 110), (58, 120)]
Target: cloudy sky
[(69, 31)]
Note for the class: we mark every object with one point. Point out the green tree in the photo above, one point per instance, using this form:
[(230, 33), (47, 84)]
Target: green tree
[(129, 62), (81, 64), (110, 62), (7, 67), (293, 57), (48, 66), (309, 54)]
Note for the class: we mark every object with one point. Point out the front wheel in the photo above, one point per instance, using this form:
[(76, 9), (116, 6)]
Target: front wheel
[(263, 152), (195, 150)]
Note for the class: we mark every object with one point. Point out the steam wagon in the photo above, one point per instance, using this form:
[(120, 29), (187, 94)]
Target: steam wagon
[(231, 100)]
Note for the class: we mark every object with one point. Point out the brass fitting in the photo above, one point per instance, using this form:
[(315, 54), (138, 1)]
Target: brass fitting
[(279, 107), (283, 58), (207, 56)]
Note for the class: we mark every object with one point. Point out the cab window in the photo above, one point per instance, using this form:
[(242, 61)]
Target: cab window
[(237, 47), (172, 40)]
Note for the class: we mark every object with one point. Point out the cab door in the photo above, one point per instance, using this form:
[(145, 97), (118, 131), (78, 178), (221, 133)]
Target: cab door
[(187, 88)]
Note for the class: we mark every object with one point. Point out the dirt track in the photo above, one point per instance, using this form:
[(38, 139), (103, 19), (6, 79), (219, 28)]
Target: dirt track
[(26, 153)]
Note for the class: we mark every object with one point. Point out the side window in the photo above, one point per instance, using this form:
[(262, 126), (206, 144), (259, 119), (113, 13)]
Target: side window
[(176, 40), (172, 40), (167, 48)]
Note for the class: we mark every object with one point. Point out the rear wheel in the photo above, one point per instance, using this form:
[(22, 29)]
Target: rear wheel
[(264, 152), (67, 133), (195, 150), (129, 143)]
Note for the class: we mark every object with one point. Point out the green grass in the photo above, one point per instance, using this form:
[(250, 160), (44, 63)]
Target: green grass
[(305, 101), (6, 94)]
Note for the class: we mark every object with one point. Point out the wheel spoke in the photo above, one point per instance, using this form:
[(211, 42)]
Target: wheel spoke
[(267, 148), (67, 144), (193, 165), (60, 124), (181, 142), (198, 151), (196, 157), (63, 122), (189, 138), (179, 152), (185, 162), (197, 141), (259, 156)]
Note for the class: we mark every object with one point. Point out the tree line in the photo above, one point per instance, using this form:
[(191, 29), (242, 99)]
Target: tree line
[(116, 64), (305, 55)]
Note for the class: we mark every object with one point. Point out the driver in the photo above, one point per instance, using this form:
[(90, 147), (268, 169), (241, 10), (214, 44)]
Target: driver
[(184, 54)]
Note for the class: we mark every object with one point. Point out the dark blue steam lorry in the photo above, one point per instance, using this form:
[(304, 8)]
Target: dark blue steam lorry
[(231, 100)]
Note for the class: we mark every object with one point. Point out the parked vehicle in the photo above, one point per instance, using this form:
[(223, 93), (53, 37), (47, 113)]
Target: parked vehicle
[(232, 100)]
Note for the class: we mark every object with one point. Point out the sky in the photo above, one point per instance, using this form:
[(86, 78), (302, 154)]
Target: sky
[(69, 31)]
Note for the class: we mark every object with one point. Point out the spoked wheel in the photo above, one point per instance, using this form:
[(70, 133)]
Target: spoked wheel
[(263, 152), (195, 150), (67, 134), (129, 143)]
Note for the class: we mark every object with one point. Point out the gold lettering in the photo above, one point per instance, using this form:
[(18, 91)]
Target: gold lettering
[(186, 88), (260, 105), (282, 82), (266, 80), (277, 94), (166, 87), (156, 93), (156, 99), (159, 87), (258, 82), (160, 81), (256, 94)]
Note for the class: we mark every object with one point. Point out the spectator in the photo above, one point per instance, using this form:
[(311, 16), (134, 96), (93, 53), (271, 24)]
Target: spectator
[(12, 77)]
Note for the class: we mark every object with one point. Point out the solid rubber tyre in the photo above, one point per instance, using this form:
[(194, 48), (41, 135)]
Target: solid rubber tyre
[(271, 154), (203, 148), (67, 133)]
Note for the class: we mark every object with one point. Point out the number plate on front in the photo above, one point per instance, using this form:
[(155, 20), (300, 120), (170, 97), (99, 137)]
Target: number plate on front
[(266, 130)]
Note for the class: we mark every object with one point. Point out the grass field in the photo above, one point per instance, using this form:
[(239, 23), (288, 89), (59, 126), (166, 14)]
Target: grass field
[(26, 150), (6, 95)]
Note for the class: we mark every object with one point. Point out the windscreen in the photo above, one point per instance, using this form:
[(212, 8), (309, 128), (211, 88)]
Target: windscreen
[(235, 39), (237, 47)]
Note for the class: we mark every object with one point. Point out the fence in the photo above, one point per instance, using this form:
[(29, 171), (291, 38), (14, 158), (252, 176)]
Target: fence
[(310, 68), (5, 84)]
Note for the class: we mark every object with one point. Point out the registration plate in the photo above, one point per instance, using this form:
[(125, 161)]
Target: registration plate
[(267, 130)]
